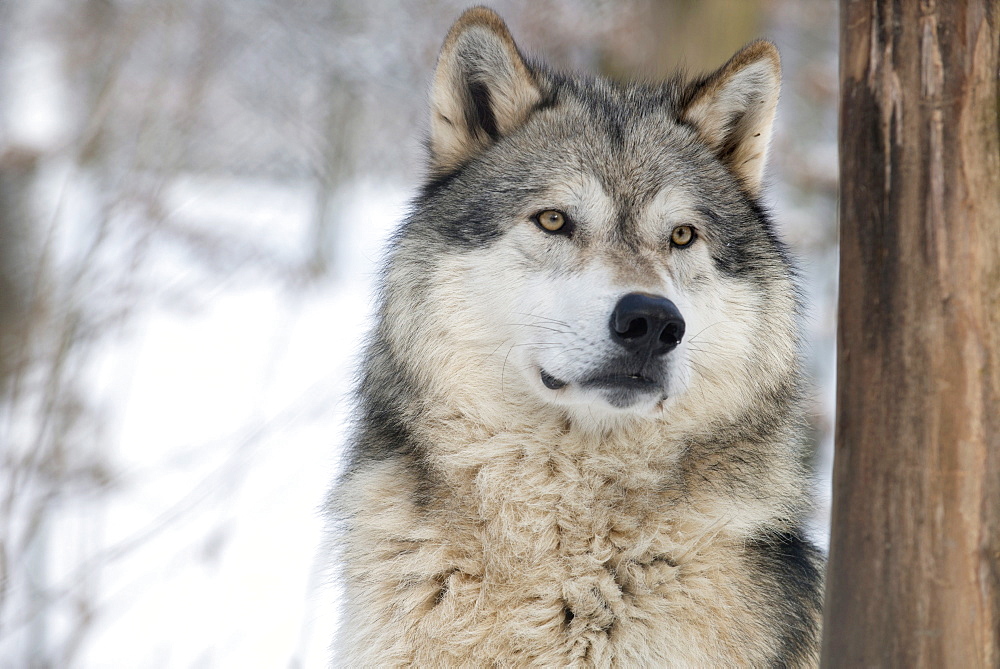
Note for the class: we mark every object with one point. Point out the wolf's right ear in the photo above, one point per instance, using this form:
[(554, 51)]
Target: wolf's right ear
[(482, 89)]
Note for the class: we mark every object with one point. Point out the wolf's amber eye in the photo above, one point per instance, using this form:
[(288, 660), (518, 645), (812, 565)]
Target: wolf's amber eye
[(682, 235), (551, 220)]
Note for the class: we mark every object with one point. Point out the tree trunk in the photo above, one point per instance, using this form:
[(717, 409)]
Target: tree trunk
[(914, 573)]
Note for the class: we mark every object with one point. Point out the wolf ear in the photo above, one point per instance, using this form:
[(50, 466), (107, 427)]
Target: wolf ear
[(733, 110), (482, 89)]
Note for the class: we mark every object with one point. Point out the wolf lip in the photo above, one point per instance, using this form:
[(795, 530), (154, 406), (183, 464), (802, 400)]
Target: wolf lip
[(551, 382), (636, 381)]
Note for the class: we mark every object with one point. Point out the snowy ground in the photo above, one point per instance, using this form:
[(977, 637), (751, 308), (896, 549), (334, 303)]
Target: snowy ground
[(225, 419), (273, 370)]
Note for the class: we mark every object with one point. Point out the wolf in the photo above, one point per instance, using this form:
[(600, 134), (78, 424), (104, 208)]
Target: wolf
[(580, 412)]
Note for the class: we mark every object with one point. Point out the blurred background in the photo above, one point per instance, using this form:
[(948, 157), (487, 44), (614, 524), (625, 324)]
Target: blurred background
[(193, 199)]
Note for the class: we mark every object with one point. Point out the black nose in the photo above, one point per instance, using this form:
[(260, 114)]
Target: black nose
[(647, 324)]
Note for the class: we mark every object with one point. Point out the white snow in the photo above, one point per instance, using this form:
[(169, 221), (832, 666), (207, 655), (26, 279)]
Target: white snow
[(228, 423)]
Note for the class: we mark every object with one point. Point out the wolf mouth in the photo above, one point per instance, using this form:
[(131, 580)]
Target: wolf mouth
[(634, 382), (626, 381)]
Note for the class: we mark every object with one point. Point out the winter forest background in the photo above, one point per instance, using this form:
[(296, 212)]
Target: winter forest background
[(193, 198)]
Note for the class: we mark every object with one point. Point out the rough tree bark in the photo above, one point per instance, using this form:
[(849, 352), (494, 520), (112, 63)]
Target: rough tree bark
[(914, 573)]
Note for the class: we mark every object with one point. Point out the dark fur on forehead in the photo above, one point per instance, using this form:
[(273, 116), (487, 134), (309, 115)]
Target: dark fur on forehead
[(614, 104)]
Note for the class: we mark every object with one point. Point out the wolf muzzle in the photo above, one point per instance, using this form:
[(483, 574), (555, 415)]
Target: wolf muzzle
[(646, 325)]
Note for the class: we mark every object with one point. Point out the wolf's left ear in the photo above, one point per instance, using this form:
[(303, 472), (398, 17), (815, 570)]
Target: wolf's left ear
[(733, 110), (482, 89)]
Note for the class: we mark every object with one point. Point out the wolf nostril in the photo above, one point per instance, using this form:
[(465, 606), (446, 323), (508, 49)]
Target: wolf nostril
[(647, 324), (634, 329), (670, 335)]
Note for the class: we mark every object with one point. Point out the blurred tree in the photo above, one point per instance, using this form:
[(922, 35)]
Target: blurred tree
[(697, 35), (17, 172)]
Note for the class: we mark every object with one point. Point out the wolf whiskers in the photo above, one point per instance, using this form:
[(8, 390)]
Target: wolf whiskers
[(692, 339), (543, 318), (503, 368)]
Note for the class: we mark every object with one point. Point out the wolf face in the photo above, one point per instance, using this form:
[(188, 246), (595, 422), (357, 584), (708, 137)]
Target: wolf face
[(600, 247)]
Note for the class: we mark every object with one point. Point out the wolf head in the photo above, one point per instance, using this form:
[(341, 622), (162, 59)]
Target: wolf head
[(588, 249)]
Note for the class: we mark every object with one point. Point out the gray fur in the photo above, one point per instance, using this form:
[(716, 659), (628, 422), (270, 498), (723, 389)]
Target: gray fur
[(484, 518)]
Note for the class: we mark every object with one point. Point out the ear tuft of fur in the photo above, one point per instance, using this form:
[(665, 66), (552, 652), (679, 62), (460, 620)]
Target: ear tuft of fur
[(733, 110), (482, 89)]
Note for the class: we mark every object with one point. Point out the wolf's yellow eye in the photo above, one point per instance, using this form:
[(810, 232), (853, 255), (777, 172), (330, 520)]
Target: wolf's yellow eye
[(551, 220), (682, 235)]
